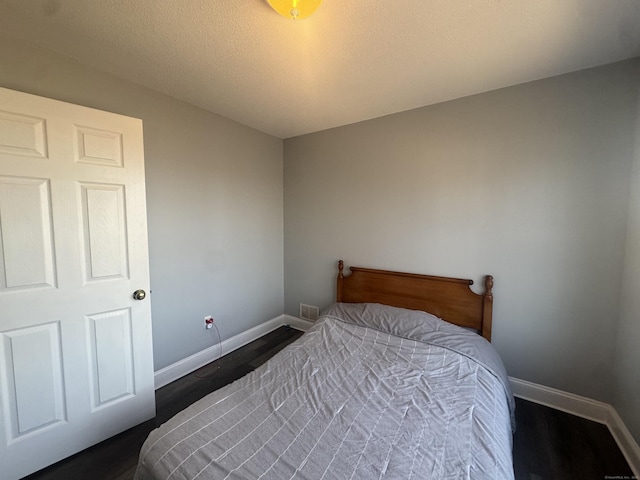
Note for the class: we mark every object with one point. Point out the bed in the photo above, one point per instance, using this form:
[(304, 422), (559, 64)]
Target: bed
[(377, 388)]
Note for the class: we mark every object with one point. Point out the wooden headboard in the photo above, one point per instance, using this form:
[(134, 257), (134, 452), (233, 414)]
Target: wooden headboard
[(448, 298)]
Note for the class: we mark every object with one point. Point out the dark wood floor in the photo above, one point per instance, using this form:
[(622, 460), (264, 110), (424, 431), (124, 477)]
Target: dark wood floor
[(548, 444)]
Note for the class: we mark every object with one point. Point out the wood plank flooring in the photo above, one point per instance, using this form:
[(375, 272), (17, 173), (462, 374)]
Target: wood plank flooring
[(548, 444)]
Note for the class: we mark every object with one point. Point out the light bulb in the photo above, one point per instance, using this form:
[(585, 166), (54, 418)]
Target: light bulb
[(295, 9)]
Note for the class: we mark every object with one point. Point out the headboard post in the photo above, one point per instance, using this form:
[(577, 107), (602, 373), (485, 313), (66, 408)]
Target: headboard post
[(487, 307), (340, 280)]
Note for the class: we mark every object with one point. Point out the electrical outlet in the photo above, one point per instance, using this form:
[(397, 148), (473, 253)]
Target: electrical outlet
[(309, 312), (208, 322)]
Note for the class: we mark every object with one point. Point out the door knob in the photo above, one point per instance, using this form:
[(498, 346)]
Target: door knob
[(139, 294)]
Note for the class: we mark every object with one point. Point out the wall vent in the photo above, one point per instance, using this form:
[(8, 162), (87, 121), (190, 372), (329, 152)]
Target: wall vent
[(309, 312)]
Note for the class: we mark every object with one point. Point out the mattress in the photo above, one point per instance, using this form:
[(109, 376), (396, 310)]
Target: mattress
[(368, 392)]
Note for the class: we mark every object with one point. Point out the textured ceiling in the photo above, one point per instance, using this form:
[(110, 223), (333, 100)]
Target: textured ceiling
[(351, 61)]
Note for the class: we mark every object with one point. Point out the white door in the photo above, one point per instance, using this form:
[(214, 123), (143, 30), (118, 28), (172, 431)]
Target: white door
[(76, 364)]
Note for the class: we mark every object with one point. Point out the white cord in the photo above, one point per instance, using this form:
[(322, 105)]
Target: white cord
[(219, 339), (219, 357)]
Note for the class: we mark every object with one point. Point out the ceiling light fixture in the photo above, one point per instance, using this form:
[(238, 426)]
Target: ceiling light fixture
[(295, 9)]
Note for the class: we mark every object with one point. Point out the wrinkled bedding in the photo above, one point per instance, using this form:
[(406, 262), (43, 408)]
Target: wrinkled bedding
[(368, 392)]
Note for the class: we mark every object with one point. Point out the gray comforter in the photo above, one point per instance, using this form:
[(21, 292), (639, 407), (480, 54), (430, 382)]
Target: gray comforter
[(368, 392)]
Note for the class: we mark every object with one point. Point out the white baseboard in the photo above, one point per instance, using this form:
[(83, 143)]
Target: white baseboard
[(564, 401), (298, 323), (187, 365), (583, 407), (625, 441)]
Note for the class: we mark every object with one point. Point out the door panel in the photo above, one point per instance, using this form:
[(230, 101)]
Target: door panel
[(111, 356), (36, 395), (99, 147), (25, 228), (104, 231), (22, 135), (76, 364)]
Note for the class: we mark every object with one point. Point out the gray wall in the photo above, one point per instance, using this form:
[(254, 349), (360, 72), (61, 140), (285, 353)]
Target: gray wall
[(627, 372), (528, 183), (214, 200)]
